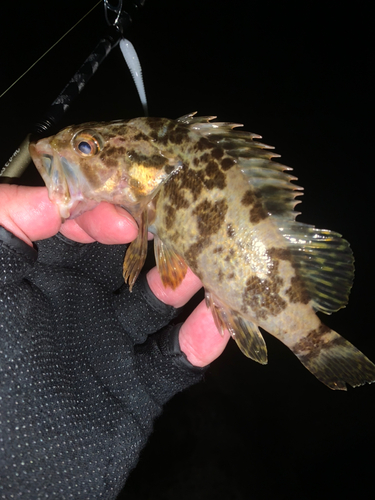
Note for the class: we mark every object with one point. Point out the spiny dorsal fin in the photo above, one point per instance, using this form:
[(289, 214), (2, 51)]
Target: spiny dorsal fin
[(274, 185), (207, 127), (325, 262), (254, 160)]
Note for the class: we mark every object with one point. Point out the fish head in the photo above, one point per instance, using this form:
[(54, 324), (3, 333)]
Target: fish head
[(117, 162)]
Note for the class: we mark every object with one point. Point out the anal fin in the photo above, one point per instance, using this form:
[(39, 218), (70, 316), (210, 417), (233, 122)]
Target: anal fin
[(245, 332)]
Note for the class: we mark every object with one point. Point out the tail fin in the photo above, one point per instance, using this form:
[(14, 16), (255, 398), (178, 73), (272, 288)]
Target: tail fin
[(333, 360)]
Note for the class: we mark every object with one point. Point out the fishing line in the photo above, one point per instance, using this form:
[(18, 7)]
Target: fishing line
[(48, 50), (20, 159)]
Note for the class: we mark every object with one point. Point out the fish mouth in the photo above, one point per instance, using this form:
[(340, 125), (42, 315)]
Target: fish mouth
[(59, 176)]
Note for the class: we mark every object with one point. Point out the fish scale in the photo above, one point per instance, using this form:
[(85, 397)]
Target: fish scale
[(217, 202)]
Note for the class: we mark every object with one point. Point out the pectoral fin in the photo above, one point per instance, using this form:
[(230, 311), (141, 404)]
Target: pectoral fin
[(245, 333), (171, 266), (136, 254)]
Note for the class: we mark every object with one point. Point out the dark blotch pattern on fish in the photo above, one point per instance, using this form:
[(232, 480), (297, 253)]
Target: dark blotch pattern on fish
[(155, 122), (170, 216), (257, 213), (194, 251), (217, 153), (253, 199), (111, 162), (229, 256), (309, 347), (297, 291), (218, 249), (172, 133), (108, 152), (230, 231), (205, 158), (216, 178), (175, 194), (210, 216), (179, 134), (262, 296), (110, 155), (185, 180), (169, 169), (227, 163), (134, 183), (248, 198), (93, 178), (281, 254), (140, 136), (203, 144), (154, 161)]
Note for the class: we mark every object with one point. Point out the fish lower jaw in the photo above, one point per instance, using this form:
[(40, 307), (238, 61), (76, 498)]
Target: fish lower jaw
[(64, 213), (76, 208), (65, 209)]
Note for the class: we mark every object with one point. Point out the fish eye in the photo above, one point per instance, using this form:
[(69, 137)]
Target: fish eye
[(87, 143), (85, 147)]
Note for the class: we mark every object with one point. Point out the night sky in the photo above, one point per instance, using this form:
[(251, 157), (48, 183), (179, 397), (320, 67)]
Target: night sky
[(302, 77)]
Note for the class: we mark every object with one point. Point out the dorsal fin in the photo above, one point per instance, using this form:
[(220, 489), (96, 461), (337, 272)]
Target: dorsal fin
[(270, 179), (255, 160)]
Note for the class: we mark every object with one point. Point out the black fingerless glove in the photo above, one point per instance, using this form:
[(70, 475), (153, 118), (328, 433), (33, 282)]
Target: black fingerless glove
[(83, 374)]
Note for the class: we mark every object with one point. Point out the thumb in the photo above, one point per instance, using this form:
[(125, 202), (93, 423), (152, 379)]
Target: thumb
[(28, 213)]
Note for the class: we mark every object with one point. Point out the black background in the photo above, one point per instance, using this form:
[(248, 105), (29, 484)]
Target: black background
[(299, 74)]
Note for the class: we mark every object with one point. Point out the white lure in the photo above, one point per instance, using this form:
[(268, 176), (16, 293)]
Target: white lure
[(132, 60)]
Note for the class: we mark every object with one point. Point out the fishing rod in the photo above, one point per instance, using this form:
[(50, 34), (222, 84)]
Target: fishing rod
[(119, 21)]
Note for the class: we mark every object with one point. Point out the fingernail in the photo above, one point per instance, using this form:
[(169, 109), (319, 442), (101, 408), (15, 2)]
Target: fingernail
[(121, 211)]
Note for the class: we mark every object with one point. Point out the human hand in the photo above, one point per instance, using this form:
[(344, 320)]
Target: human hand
[(30, 215)]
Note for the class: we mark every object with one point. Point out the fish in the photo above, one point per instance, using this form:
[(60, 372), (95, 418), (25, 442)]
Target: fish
[(217, 201)]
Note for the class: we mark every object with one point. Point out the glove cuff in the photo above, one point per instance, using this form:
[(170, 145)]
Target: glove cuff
[(11, 242), (170, 344)]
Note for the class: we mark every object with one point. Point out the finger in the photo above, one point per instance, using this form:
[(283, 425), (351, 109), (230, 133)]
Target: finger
[(28, 213), (178, 297), (199, 338), (106, 223)]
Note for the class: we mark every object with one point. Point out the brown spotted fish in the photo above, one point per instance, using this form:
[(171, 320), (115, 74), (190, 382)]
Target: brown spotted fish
[(216, 202)]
